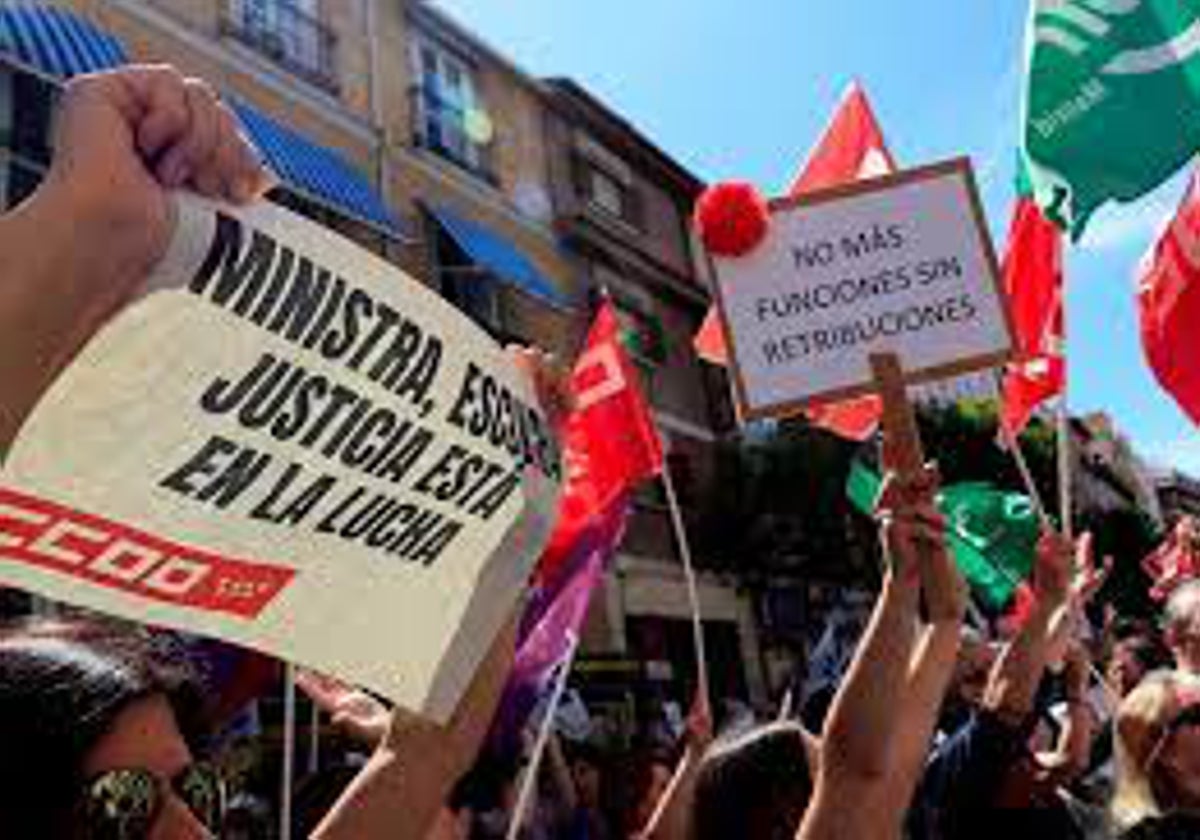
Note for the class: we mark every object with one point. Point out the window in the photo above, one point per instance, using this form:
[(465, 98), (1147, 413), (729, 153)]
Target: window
[(6, 107), (290, 32), (468, 287), (603, 189), (607, 193), (449, 119), (473, 291), (26, 106)]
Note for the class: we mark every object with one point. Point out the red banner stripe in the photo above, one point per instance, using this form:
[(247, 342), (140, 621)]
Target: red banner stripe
[(115, 556)]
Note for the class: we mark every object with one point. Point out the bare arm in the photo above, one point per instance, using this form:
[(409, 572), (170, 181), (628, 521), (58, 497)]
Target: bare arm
[(76, 251), (930, 675), (408, 779), (856, 740), (1013, 684), (932, 668), (894, 690)]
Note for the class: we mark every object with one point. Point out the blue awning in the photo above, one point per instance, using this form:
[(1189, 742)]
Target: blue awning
[(56, 41), (60, 43), (315, 171), (498, 255)]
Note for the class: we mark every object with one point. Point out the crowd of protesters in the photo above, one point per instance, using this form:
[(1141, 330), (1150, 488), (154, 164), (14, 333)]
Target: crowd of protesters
[(1054, 728)]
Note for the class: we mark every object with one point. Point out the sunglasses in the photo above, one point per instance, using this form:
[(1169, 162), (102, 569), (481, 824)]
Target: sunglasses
[(123, 804)]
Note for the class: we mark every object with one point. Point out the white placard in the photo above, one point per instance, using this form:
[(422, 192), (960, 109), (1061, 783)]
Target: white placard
[(287, 443), (898, 264)]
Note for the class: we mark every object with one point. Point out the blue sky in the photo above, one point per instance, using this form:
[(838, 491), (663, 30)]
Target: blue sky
[(743, 89)]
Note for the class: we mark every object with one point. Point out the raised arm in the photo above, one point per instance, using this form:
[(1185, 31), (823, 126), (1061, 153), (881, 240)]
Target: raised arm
[(408, 779), (929, 677), (1018, 671), (884, 713), (78, 249)]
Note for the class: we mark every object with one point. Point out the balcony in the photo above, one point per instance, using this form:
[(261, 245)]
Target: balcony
[(442, 127), (288, 34)]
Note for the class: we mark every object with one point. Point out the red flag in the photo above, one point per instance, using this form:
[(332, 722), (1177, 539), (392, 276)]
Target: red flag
[(855, 419), (1033, 283), (709, 342), (852, 148), (1169, 305), (610, 444)]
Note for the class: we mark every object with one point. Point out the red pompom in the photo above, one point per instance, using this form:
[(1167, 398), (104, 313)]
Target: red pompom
[(732, 218)]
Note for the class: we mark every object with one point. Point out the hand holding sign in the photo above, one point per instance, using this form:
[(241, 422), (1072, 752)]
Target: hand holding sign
[(80, 248), (912, 526), (287, 444), (350, 709)]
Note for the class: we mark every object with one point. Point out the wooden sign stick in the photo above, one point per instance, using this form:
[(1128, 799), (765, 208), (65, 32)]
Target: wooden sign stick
[(901, 439), (941, 585)]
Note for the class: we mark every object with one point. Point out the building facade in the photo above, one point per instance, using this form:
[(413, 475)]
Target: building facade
[(1108, 475), (520, 200), (1179, 496), (622, 210)]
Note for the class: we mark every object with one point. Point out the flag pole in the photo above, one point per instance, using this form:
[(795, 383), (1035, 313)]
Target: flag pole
[(289, 752), (1014, 446), (1012, 443), (1064, 431), (689, 576), (686, 762), (529, 783)]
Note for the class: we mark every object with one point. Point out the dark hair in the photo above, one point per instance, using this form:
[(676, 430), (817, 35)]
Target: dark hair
[(62, 685), (756, 786)]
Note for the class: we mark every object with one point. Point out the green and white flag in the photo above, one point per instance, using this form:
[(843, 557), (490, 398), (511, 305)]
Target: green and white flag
[(1112, 100)]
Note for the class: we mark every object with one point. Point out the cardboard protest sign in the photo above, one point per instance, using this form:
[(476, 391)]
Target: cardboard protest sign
[(289, 444), (899, 264)]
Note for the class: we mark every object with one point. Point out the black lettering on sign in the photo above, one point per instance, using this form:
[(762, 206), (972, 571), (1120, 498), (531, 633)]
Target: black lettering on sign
[(812, 255), (397, 528), (487, 410), (872, 240), (219, 473), (290, 501), (494, 499), (238, 272)]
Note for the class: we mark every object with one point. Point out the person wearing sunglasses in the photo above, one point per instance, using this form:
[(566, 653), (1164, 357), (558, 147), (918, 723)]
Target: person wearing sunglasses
[(1157, 795), (97, 732)]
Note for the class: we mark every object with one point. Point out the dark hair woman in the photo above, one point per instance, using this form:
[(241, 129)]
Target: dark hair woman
[(97, 733)]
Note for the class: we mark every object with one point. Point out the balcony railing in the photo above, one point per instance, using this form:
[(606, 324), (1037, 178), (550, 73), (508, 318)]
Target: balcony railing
[(440, 126), (287, 34)]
